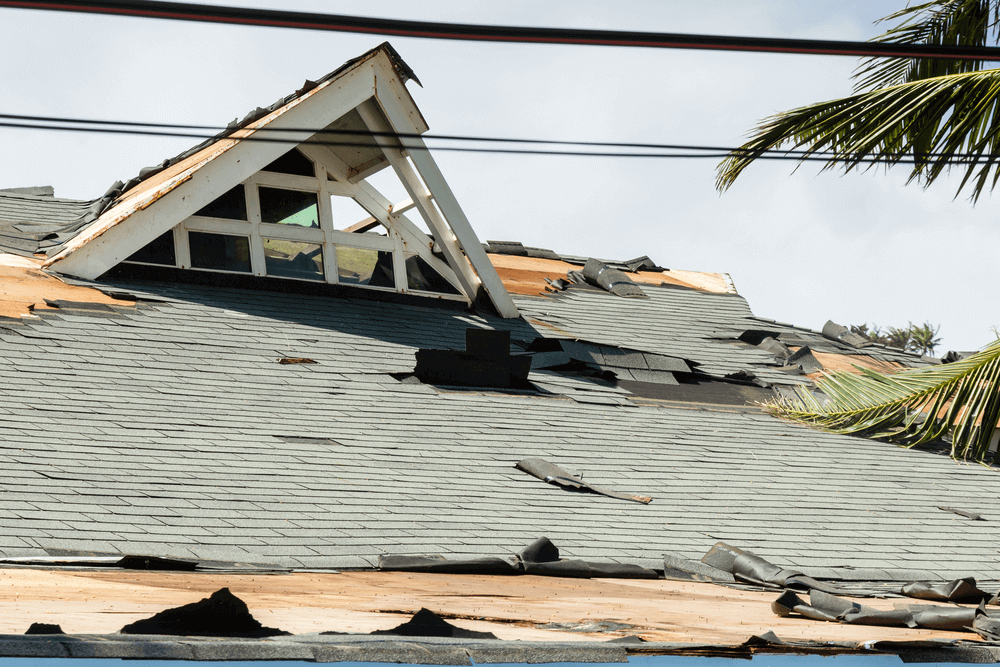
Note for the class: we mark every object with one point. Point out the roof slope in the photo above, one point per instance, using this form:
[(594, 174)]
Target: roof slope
[(34, 223), (230, 455)]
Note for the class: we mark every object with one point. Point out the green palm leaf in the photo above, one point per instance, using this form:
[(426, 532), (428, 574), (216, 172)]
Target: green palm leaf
[(954, 117), (933, 114), (939, 22), (960, 401)]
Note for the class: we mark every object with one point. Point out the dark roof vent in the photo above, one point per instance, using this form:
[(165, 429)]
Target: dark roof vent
[(486, 362)]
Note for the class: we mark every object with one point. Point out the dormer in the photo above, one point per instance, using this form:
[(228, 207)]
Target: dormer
[(260, 199)]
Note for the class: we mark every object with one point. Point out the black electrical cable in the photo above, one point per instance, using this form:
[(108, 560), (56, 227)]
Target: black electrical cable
[(496, 33), (703, 151), (395, 135)]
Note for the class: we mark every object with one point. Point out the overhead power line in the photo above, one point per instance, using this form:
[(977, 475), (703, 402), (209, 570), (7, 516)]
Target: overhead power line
[(639, 150), (496, 33)]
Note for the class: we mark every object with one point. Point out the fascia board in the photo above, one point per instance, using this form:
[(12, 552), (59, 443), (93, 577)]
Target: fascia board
[(137, 220)]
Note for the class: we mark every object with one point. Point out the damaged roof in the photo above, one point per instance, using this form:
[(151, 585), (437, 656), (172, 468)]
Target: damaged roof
[(234, 456), (610, 424)]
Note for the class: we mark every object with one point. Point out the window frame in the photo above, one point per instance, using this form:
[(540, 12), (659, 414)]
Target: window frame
[(326, 236)]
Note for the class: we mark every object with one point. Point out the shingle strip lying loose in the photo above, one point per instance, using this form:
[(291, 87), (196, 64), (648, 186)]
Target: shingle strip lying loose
[(959, 590), (748, 567), (553, 474), (540, 557), (825, 607)]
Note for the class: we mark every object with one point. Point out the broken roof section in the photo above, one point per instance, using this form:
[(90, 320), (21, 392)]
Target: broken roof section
[(368, 122)]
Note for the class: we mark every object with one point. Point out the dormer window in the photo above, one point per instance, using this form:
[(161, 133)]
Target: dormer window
[(278, 208), (274, 224)]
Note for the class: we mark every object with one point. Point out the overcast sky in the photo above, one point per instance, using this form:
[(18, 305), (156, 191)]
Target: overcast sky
[(802, 247)]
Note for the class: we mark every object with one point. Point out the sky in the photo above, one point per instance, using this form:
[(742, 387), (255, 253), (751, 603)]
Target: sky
[(803, 246)]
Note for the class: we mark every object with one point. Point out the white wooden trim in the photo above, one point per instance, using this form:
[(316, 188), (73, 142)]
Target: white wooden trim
[(366, 241), (257, 262), (370, 199), (219, 226), (131, 227), (291, 233), (421, 197), (182, 251), (326, 224), (374, 166), (271, 179), (400, 118)]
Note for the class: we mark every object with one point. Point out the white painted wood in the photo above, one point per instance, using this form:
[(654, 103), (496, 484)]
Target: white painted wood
[(257, 262), (398, 262), (372, 167), (370, 199), (123, 231), (182, 251), (470, 282), (291, 233), (369, 241), (389, 101), (219, 226), (330, 272), (286, 181), (402, 207)]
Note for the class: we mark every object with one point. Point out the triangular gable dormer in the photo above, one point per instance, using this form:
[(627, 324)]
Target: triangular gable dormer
[(257, 201)]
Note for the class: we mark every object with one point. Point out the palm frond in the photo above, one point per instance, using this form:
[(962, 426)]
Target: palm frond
[(935, 124), (934, 23), (960, 400)]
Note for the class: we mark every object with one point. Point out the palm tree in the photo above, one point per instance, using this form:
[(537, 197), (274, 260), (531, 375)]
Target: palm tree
[(934, 115)]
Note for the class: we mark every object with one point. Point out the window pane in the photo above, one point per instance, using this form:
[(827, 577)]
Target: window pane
[(361, 266), (293, 162), (288, 207), (291, 259), (159, 251), (421, 276), (219, 251), (231, 206)]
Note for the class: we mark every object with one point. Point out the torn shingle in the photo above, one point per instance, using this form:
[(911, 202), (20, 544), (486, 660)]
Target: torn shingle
[(838, 332), (612, 280), (553, 474)]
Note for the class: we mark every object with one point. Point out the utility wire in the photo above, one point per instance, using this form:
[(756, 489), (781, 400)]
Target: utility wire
[(496, 33), (44, 121), (699, 152)]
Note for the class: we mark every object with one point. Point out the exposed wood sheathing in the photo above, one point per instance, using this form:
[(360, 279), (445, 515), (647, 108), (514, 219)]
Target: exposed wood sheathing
[(510, 607), (24, 288), (847, 362), (526, 275)]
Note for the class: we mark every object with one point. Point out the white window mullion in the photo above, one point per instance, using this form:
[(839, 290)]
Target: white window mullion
[(326, 224), (257, 264), (182, 252), (399, 262)]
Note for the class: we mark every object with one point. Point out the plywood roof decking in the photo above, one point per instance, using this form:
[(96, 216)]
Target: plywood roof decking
[(98, 602), (24, 287), (526, 275)]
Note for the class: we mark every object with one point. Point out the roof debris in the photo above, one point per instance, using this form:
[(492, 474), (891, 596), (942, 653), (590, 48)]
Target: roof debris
[(553, 474), (222, 614)]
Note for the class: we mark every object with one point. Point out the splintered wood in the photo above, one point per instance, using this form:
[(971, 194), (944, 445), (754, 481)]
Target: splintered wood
[(520, 607)]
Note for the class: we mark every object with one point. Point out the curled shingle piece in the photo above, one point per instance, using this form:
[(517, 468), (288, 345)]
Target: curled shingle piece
[(553, 474)]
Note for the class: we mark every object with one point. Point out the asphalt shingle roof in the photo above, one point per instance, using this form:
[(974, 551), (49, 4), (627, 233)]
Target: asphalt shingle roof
[(168, 428)]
